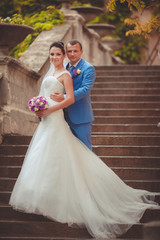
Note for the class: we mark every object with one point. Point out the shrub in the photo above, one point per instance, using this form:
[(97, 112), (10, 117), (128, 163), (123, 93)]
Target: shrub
[(44, 20)]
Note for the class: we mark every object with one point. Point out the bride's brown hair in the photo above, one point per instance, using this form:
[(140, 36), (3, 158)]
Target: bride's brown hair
[(58, 44)]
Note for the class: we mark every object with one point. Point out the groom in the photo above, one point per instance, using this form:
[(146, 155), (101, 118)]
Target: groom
[(79, 115)]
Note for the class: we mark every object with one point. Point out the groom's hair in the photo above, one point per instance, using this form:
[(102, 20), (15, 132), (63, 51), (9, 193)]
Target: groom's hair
[(73, 42)]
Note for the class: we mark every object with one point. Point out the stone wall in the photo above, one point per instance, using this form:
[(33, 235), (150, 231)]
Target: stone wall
[(17, 85)]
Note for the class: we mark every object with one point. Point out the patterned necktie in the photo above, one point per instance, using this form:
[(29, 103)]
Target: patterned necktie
[(72, 68)]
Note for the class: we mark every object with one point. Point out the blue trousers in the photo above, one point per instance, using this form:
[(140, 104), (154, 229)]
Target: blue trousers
[(81, 131)]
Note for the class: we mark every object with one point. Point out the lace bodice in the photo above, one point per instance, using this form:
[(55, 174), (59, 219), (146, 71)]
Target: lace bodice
[(51, 84)]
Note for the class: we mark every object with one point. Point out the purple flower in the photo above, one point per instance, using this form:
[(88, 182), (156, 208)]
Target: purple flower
[(76, 72), (37, 104), (32, 109)]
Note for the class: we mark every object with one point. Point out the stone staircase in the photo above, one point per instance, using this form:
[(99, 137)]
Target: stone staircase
[(126, 102)]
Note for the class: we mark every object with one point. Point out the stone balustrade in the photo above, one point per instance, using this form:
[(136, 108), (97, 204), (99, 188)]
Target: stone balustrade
[(94, 51), (17, 85)]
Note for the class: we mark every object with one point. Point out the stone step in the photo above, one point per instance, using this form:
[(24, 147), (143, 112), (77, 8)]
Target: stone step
[(6, 184), (129, 68), (126, 119), (24, 237), (127, 133), (126, 112), (96, 139), (124, 173), (131, 71), (128, 91), (99, 150), (11, 160), (104, 77), (127, 75), (15, 140), (136, 128), (139, 140), (13, 149), (122, 73), (40, 228), (111, 161), (150, 105), (152, 186), (125, 97), (4, 197), (137, 173), (128, 84), (131, 162), (6, 212), (55, 229), (120, 150), (102, 150)]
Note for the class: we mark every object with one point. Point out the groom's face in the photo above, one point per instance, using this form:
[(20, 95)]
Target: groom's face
[(74, 52)]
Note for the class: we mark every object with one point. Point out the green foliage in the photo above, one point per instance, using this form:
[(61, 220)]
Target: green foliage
[(156, 9), (18, 50), (7, 8), (44, 20), (131, 52), (112, 4), (113, 17), (140, 28), (77, 4), (31, 7), (24, 7), (15, 19), (96, 3)]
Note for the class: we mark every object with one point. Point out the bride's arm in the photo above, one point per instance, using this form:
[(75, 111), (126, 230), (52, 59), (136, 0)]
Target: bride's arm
[(68, 85)]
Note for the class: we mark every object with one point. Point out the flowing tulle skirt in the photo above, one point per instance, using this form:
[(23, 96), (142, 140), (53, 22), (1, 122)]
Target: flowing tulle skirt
[(66, 182)]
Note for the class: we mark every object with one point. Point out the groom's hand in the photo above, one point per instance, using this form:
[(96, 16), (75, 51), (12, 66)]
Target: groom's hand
[(58, 97)]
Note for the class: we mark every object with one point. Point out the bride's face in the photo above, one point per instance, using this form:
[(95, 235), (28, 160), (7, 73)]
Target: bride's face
[(56, 56)]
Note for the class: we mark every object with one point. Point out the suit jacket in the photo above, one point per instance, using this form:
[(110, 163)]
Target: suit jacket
[(81, 111)]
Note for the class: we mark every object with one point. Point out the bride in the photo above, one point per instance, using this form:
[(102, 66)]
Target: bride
[(63, 180)]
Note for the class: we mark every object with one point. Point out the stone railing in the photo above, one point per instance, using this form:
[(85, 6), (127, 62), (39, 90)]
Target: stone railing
[(94, 51), (17, 85)]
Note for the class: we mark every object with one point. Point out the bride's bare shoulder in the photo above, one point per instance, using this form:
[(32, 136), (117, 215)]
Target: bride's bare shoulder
[(67, 74)]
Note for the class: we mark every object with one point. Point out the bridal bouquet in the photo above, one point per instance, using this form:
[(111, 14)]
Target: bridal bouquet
[(37, 104)]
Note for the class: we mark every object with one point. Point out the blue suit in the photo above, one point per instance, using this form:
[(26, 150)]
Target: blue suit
[(80, 114)]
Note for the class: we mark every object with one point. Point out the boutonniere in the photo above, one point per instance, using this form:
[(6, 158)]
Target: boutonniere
[(76, 72)]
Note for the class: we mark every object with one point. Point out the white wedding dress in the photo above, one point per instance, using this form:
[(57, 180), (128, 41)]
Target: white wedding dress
[(66, 182)]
